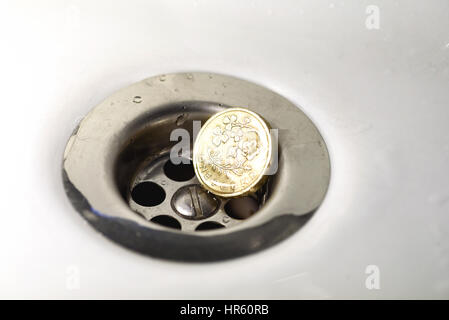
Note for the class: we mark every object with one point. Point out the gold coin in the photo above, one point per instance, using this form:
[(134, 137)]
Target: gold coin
[(232, 152)]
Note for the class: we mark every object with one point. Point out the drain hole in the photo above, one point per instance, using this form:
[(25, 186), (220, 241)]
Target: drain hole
[(241, 208), (167, 221), (148, 194), (179, 172), (209, 225)]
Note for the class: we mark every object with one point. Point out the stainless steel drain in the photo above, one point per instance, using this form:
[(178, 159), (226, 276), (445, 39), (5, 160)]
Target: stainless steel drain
[(118, 174), (163, 189)]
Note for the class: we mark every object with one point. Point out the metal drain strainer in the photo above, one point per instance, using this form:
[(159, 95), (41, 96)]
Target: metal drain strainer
[(170, 195), (118, 175)]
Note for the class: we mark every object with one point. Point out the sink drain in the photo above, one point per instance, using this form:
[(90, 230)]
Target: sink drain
[(118, 174), (163, 189)]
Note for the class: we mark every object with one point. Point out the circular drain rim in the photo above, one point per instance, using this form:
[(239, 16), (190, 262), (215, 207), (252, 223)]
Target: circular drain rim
[(304, 169)]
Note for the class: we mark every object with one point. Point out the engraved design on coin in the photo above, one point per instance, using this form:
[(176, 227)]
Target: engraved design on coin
[(241, 144), (232, 152)]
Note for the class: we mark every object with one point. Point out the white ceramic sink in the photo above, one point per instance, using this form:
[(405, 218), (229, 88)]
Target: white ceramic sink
[(380, 97)]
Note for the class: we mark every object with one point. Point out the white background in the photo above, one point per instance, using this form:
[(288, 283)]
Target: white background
[(379, 97)]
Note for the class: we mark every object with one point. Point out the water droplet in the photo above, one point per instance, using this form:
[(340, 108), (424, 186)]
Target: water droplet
[(189, 76), (226, 219), (162, 78), (181, 119), (137, 99)]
